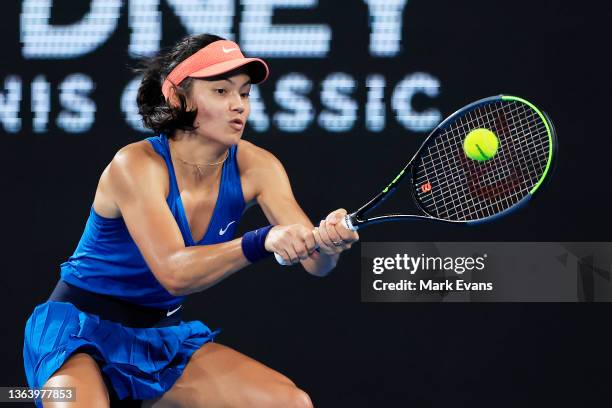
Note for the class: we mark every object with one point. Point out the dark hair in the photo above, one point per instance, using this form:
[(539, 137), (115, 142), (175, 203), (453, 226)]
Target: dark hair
[(156, 113)]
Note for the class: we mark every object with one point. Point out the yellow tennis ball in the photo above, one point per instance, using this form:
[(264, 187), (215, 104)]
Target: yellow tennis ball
[(480, 144)]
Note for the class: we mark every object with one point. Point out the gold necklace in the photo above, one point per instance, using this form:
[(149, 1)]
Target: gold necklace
[(199, 165)]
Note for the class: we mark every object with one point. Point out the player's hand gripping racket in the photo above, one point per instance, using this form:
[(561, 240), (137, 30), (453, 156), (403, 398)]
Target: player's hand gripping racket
[(482, 162)]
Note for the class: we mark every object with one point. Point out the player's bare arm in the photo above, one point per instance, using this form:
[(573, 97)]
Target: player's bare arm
[(294, 237)]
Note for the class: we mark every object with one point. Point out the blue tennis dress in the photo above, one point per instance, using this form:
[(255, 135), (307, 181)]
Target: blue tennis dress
[(141, 363)]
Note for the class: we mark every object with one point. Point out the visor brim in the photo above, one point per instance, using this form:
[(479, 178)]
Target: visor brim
[(256, 68)]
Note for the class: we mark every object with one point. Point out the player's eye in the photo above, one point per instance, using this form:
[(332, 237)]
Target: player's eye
[(220, 91)]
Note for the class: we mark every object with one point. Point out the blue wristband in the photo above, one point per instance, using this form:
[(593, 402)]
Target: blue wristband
[(254, 244)]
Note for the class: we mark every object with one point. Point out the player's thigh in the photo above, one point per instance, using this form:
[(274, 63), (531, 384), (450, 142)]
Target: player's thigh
[(218, 376), (81, 372)]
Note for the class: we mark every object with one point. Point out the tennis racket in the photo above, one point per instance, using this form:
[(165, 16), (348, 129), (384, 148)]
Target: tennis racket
[(448, 186)]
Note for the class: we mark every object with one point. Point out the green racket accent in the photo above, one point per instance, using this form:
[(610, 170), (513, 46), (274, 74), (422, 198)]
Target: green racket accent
[(394, 181), (550, 139)]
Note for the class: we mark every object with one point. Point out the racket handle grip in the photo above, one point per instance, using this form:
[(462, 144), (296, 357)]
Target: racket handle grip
[(346, 223), (281, 260)]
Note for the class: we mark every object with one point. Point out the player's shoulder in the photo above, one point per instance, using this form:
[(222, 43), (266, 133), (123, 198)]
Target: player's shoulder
[(137, 155), (259, 169), (251, 157), (137, 160)]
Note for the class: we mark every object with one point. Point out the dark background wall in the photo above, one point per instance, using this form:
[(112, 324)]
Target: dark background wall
[(317, 331)]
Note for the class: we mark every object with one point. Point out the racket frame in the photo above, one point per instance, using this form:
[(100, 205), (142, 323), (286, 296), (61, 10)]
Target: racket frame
[(356, 220)]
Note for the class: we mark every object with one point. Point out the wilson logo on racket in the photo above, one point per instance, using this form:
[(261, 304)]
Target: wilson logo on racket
[(426, 188)]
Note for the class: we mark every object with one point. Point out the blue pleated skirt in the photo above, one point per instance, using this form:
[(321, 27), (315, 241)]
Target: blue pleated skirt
[(141, 363)]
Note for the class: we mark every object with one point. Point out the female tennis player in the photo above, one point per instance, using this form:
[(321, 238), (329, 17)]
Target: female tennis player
[(161, 228)]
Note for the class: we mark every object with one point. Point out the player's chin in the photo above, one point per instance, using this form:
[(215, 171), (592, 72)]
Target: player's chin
[(234, 137), (230, 138)]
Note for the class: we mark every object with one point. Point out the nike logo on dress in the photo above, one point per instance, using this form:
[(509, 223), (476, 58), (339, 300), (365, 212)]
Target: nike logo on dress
[(222, 231), (226, 50), (171, 312)]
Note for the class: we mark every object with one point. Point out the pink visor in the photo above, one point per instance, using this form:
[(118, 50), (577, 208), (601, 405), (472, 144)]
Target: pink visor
[(215, 59)]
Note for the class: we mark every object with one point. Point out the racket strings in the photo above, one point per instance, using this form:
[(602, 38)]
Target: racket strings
[(492, 189), (472, 182), (463, 189)]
